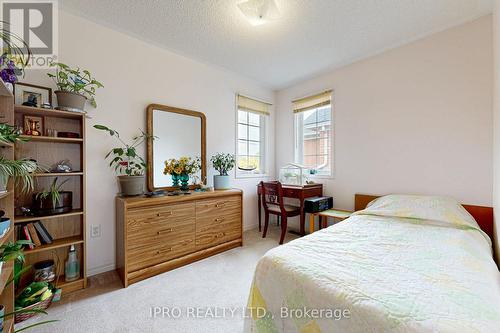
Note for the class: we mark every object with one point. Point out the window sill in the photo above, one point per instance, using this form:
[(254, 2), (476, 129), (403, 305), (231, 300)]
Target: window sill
[(321, 177), (252, 175)]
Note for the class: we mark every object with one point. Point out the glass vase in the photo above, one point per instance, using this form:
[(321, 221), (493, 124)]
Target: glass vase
[(184, 182), (175, 180)]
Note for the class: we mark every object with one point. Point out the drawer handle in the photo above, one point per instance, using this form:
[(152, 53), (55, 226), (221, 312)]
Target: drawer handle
[(220, 204), (166, 214), (166, 231), (164, 250), (219, 219), (222, 234)]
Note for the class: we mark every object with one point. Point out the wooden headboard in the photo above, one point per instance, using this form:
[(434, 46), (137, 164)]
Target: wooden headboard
[(482, 215)]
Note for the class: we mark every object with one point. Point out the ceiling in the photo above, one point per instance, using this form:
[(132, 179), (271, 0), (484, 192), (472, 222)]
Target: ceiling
[(310, 37)]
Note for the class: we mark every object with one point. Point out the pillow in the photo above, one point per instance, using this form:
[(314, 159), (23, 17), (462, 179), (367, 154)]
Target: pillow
[(442, 209)]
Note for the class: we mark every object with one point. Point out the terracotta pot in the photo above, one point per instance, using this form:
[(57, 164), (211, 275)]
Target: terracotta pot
[(70, 100), (132, 185)]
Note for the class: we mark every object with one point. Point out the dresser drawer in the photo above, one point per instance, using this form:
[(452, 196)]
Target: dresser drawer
[(161, 233), (225, 232), (141, 218), (216, 207), (217, 219), (158, 252)]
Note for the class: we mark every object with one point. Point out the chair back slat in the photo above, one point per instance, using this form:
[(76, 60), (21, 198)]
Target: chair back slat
[(272, 194)]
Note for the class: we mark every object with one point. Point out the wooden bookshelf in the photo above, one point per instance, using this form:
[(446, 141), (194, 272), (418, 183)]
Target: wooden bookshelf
[(69, 228), (7, 205), (42, 138), (25, 219)]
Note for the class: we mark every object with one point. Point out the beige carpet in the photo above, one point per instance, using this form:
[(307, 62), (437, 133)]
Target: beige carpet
[(216, 283)]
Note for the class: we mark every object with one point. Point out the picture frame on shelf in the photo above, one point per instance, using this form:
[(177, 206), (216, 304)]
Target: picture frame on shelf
[(32, 95), (33, 125)]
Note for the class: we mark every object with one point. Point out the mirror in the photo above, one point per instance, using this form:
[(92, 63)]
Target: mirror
[(178, 132)]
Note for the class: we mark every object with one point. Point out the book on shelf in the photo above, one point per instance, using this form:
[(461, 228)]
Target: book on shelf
[(27, 236), (46, 236), (35, 232)]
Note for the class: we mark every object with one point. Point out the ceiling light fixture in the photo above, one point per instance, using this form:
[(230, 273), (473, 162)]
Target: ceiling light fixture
[(259, 11)]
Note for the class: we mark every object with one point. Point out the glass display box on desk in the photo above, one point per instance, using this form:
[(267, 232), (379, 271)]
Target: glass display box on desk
[(294, 174)]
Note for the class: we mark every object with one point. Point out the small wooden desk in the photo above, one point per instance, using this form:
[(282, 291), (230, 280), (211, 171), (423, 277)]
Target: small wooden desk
[(295, 192)]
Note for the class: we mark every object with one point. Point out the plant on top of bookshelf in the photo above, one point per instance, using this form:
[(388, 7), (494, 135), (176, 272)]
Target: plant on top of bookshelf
[(53, 200), (10, 134), (129, 166), (22, 172), (75, 86), (15, 55)]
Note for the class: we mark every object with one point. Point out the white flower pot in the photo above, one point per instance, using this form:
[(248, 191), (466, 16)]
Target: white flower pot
[(222, 182)]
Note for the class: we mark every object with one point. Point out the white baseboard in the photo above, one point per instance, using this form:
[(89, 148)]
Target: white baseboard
[(100, 269)]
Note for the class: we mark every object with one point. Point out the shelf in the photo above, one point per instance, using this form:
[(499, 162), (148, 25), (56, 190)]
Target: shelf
[(48, 112), (56, 243), (23, 219), (7, 269), (8, 325), (4, 91), (5, 194), (58, 174), (40, 138), (68, 287), (6, 144), (6, 237)]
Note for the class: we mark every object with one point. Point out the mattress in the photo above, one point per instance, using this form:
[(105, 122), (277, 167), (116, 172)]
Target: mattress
[(405, 264)]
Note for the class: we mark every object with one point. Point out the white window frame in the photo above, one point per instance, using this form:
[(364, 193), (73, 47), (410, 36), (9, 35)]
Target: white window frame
[(298, 148), (263, 148)]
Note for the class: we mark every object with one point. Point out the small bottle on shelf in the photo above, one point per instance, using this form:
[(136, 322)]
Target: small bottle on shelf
[(72, 266)]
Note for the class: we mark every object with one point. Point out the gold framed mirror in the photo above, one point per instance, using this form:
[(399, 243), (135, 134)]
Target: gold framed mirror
[(178, 132)]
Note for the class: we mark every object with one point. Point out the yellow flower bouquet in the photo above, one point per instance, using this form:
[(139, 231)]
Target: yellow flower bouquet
[(181, 169)]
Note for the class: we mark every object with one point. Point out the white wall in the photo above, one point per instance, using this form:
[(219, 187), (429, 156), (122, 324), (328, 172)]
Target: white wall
[(136, 74), (496, 126), (416, 119)]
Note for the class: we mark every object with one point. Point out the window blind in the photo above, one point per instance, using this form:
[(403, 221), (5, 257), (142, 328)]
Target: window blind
[(312, 102), (253, 105)]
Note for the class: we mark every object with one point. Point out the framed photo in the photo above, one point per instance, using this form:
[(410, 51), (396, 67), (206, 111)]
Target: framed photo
[(32, 95), (32, 125)]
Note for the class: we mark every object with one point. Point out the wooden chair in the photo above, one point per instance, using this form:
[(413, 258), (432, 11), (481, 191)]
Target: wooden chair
[(272, 199)]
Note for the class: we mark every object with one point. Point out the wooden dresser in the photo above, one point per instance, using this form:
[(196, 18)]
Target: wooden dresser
[(154, 235)]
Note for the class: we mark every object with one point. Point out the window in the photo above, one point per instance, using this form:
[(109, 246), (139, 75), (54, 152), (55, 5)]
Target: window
[(251, 134), (313, 133)]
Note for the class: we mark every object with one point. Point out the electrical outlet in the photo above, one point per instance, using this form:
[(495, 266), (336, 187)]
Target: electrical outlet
[(95, 230)]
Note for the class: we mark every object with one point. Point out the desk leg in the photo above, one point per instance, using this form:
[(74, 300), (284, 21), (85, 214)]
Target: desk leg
[(311, 223), (259, 209), (302, 218)]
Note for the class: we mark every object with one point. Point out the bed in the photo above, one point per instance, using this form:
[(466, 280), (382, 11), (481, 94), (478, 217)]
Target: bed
[(403, 264)]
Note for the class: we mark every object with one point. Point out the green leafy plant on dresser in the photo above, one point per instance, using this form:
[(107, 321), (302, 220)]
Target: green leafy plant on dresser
[(126, 162)]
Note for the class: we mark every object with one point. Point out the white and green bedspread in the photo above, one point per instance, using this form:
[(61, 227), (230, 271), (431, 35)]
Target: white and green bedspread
[(405, 264)]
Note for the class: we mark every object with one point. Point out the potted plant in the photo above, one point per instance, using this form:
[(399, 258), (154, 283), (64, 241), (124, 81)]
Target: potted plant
[(181, 170), (20, 170), (129, 166), (75, 87), (53, 201), (10, 134), (223, 163), (15, 57)]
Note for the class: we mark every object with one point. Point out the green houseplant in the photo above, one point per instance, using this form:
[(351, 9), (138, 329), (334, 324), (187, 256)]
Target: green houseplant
[(14, 252), (223, 163), (53, 200), (10, 134), (20, 170), (15, 55), (129, 166), (75, 87)]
